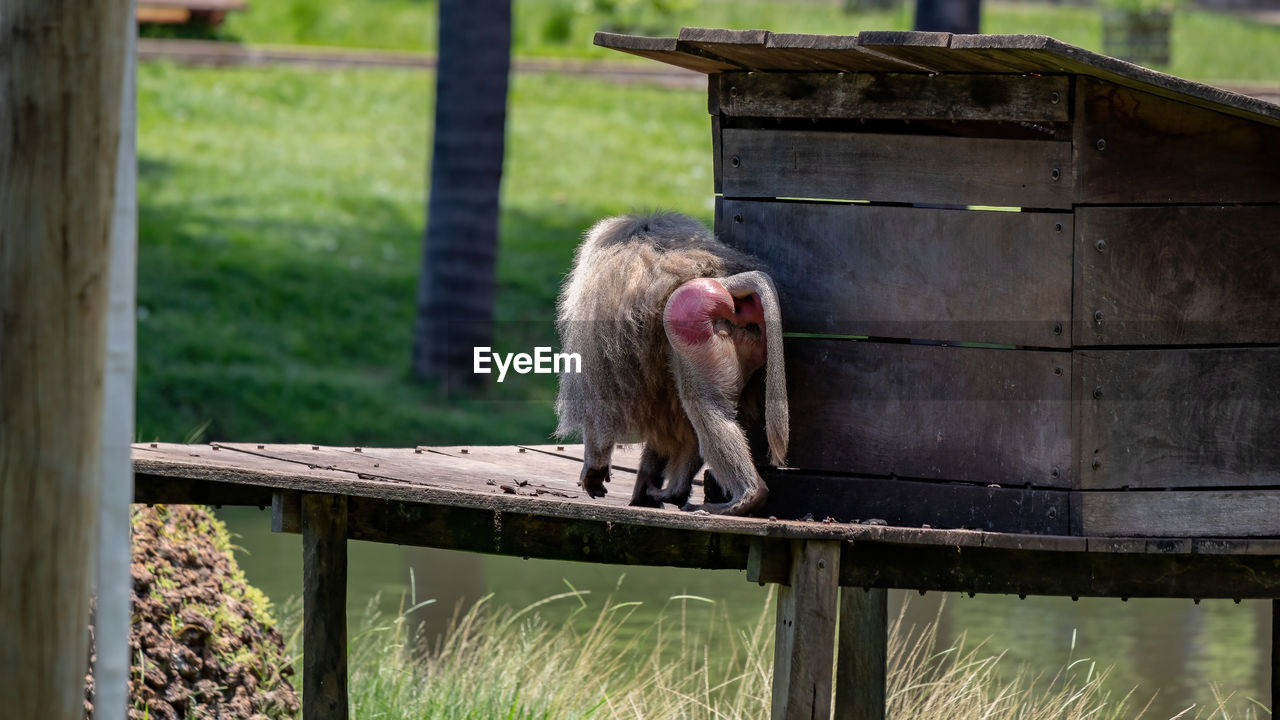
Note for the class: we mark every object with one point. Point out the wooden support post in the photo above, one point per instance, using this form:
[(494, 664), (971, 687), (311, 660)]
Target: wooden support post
[(862, 654), (804, 647), (1275, 653), (61, 79), (324, 607)]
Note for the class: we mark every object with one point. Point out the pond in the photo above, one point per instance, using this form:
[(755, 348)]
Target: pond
[(1173, 649)]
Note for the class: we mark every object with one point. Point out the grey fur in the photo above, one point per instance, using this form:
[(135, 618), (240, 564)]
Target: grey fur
[(635, 384)]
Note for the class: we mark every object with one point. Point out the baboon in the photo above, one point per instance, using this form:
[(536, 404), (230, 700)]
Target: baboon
[(671, 324)]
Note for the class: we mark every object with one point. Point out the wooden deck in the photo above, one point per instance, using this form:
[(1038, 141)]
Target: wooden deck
[(524, 501)]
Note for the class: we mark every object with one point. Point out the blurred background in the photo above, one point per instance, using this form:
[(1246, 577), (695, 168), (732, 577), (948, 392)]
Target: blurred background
[(284, 150)]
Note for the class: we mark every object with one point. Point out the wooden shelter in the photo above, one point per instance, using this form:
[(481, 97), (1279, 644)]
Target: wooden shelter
[(1034, 333)]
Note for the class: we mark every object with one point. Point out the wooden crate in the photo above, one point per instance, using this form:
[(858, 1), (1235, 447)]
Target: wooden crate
[(1005, 261)]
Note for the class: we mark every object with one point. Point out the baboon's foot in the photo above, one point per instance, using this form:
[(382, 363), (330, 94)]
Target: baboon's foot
[(593, 480)]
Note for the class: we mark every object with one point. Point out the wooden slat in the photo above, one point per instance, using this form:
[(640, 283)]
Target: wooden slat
[(862, 655), (948, 413), (842, 53), (985, 570), (1135, 147), (1182, 513), (896, 168), (324, 595), (804, 646), (663, 50), (1038, 53), (916, 273), (158, 490), (896, 96), (1178, 275), (906, 503), (1179, 418), (933, 50)]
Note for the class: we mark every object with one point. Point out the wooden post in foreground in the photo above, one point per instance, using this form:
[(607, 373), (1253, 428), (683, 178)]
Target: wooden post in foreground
[(324, 607), (804, 647), (863, 653), (61, 79)]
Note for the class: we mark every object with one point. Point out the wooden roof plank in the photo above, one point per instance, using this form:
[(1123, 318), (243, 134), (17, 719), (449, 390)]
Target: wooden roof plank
[(662, 50), (711, 51)]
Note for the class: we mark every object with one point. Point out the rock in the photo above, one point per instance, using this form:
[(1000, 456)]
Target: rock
[(203, 643)]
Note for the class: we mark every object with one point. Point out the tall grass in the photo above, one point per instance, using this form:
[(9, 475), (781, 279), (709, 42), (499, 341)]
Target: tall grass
[(497, 662)]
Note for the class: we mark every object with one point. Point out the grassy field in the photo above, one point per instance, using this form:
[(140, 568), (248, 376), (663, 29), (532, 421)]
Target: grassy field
[(1205, 45), (281, 214)]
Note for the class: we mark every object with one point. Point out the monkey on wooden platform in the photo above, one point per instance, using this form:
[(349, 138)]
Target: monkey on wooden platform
[(670, 324)]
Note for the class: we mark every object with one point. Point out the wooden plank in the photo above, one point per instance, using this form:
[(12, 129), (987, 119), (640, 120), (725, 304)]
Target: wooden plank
[(324, 598), (1039, 53), (527, 534), (913, 273), (1179, 418), (933, 50), (1178, 275), (158, 490), (1275, 652), (896, 168), (663, 50), (804, 645), (895, 96), (1019, 572), (934, 412), (862, 656), (842, 53), (906, 503), (1135, 147), (1182, 513)]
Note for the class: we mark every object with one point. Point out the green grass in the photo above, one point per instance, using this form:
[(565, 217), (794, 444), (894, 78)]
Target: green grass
[(495, 662), (1205, 45), (280, 220)]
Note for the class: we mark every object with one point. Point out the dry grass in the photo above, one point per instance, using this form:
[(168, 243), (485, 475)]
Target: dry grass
[(496, 662)]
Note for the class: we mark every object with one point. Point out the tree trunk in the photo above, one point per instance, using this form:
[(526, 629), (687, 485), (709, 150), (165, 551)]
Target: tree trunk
[(456, 287), (953, 16), (61, 83)]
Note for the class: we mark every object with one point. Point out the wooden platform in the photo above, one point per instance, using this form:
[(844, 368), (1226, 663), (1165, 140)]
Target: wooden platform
[(524, 501)]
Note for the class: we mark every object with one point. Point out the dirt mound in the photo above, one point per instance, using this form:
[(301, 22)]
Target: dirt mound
[(203, 643)]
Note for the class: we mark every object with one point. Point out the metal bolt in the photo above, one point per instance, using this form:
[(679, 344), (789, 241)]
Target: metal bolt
[(1057, 370), (1057, 328), (1101, 245), (1097, 463), (735, 161), (733, 91), (1097, 316), (1097, 393), (417, 451), (737, 219), (1053, 513), (1102, 144), (315, 447), (359, 450), (155, 445), (560, 448), (262, 447), (464, 451), (1055, 173), (1057, 227), (1055, 97), (520, 449), (822, 564)]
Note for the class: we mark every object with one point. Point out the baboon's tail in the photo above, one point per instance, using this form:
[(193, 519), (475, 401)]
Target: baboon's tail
[(777, 420)]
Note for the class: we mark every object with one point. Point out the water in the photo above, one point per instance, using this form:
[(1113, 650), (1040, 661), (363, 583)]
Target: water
[(1174, 649)]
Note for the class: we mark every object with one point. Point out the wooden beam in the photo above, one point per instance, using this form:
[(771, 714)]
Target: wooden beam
[(862, 657), (804, 648), (324, 607), (1275, 652), (61, 83)]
